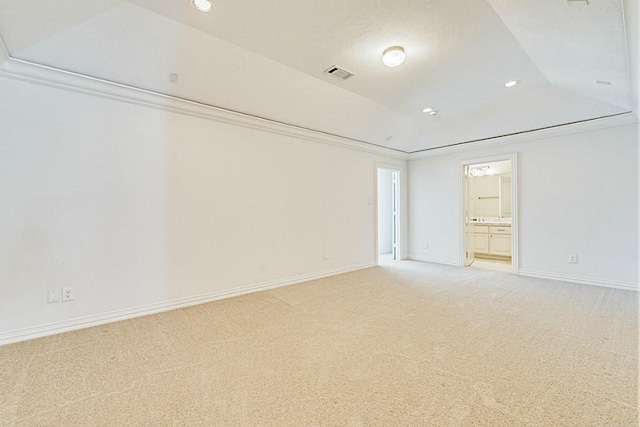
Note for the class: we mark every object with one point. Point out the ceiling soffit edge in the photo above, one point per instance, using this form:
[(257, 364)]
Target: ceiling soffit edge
[(48, 76), (53, 77), (631, 20), (596, 123)]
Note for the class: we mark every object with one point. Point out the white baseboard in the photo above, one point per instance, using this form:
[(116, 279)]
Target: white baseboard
[(128, 313), (629, 286), (434, 260)]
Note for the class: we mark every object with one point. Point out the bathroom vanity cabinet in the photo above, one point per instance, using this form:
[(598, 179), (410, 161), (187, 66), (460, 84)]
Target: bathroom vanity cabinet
[(492, 240)]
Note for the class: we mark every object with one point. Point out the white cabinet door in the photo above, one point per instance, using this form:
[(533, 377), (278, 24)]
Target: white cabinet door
[(500, 244), (481, 243)]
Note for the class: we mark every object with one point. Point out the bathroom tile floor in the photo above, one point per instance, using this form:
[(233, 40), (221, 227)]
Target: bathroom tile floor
[(492, 264)]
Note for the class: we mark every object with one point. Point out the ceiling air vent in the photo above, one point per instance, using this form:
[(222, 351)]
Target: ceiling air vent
[(339, 72)]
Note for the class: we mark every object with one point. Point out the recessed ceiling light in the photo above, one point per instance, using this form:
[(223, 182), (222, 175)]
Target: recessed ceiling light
[(393, 56), (512, 83), (202, 5)]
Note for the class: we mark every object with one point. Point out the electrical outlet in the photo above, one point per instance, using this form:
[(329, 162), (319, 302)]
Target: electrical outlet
[(326, 255), (426, 245), (573, 259), (67, 294), (53, 296)]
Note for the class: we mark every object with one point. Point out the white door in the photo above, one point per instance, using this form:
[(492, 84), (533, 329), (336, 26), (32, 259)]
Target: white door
[(394, 204), (388, 213)]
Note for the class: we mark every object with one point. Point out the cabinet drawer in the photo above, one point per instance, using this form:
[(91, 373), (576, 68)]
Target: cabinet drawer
[(499, 230), (481, 229)]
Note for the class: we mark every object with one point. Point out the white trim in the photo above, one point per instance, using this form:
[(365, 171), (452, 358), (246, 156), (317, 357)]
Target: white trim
[(630, 17), (4, 54), (513, 157), (433, 260), (128, 313), (52, 77), (560, 130), (629, 286)]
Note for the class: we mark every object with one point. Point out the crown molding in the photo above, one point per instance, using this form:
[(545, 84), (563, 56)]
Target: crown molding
[(622, 119), (4, 54), (52, 77)]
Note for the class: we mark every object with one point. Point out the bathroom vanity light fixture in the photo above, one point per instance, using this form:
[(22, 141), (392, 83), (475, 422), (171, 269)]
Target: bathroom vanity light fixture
[(202, 5), (393, 56), (481, 171)]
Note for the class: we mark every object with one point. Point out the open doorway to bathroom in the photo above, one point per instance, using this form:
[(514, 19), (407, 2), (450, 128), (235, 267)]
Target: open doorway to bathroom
[(387, 214), (489, 196)]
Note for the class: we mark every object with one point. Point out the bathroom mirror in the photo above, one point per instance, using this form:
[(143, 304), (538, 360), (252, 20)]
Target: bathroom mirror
[(505, 197)]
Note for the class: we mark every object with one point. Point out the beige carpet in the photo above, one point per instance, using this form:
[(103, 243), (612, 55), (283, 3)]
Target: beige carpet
[(405, 344)]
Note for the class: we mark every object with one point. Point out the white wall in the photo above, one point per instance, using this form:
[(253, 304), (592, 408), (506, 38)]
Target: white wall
[(578, 194), (385, 211), (135, 206)]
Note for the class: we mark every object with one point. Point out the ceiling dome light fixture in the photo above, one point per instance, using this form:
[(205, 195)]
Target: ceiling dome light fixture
[(202, 5), (512, 83), (393, 56), (430, 111)]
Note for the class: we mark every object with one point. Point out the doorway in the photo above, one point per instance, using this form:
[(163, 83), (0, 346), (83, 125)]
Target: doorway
[(489, 212), (388, 181)]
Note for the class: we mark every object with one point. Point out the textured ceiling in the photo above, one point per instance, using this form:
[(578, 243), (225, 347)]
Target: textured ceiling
[(267, 58)]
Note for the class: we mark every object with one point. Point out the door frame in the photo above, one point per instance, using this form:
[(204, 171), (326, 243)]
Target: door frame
[(400, 211), (468, 233), (514, 205)]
